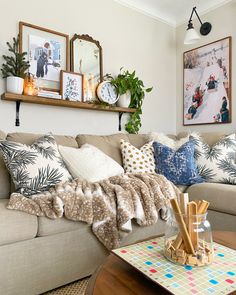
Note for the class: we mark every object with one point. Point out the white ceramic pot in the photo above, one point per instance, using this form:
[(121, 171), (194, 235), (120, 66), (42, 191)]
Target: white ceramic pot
[(124, 100), (15, 85)]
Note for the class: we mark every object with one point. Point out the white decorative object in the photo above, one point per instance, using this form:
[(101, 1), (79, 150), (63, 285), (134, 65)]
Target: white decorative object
[(89, 163), (124, 99), (15, 85), (166, 140), (137, 161)]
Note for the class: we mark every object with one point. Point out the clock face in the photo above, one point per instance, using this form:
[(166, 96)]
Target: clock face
[(107, 92)]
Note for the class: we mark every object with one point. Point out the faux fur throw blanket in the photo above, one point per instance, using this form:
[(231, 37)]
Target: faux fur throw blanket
[(108, 205)]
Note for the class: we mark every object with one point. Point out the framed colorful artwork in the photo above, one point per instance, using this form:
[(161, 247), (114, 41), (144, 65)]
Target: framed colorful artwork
[(207, 84), (47, 52), (71, 86)]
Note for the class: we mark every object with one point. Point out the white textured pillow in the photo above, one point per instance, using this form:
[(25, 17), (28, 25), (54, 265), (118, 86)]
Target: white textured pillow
[(137, 161), (89, 163), (166, 140)]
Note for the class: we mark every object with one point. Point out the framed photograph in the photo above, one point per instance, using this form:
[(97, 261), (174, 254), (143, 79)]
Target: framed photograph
[(207, 84), (71, 86), (47, 53)]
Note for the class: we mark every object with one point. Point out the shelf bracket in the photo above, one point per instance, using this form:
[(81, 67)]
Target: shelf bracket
[(120, 117), (18, 112)]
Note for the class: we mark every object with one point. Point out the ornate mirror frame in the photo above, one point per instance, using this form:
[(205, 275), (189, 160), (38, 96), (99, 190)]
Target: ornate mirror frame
[(89, 39)]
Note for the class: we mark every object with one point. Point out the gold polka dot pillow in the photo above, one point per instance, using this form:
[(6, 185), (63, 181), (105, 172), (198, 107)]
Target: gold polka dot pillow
[(137, 160)]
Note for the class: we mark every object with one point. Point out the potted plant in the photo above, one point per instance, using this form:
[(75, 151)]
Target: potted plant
[(131, 93), (15, 67)]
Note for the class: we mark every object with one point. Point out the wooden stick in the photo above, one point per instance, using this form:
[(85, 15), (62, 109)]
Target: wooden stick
[(192, 223), (202, 207), (182, 227), (183, 200)]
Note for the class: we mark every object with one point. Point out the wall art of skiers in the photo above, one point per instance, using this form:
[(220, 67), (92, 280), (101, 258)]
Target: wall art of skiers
[(207, 84)]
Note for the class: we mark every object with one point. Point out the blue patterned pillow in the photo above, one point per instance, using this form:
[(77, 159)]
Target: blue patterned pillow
[(177, 166)]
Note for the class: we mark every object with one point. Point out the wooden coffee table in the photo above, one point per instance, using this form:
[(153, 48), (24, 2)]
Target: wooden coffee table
[(116, 277)]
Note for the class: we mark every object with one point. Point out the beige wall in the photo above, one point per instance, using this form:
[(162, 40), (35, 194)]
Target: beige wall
[(223, 22), (128, 38)]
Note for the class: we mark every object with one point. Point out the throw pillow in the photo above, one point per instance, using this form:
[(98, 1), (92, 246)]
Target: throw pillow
[(216, 163), (177, 165), (166, 140), (89, 163), (34, 168), (137, 160)]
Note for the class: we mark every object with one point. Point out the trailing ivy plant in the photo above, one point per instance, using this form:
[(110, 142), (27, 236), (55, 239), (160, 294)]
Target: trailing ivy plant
[(15, 64), (129, 81)]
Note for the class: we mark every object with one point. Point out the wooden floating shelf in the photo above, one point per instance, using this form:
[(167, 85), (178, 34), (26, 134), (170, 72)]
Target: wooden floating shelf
[(18, 98), (63, 103)]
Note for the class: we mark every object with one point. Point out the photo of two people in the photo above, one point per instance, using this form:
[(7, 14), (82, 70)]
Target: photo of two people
[(45, 58)]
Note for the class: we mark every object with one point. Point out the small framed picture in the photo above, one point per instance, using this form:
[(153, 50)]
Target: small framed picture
[(71, 86), (47, 53)]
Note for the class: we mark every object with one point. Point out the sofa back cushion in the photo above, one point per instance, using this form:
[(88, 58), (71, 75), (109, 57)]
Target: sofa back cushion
[(209, 137), (30, 138), (5, 184), (110, 144)]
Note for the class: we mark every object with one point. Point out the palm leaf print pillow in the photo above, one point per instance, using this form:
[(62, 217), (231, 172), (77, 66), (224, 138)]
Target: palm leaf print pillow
[(34, 168), (216, 163)]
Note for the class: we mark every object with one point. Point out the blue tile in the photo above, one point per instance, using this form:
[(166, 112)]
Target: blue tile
[(214, 282), (148, 262), (210, 290), (169, 275), (188, 267), (231, 273), (150, 247), (220, 255)]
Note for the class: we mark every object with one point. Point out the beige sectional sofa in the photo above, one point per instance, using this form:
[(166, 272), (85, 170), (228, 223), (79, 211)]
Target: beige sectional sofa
[(38, 254)]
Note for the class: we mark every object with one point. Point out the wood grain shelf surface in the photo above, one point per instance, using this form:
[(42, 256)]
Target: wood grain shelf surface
[(63, 103)]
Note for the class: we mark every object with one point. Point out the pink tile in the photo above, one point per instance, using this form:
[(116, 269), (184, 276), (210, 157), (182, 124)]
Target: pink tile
[(192, 285), (190, 278), (123, 251), (229, 281), (153, 270), (189, 272), (194, 291)]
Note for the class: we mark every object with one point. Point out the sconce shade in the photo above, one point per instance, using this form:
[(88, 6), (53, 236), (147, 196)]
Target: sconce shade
[(191, 36)]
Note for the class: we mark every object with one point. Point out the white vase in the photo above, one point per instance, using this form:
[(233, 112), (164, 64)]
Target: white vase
[(15, 85), (124, 100)]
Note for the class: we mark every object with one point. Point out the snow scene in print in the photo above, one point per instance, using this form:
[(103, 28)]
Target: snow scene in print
[(207, 84), (45, 58)]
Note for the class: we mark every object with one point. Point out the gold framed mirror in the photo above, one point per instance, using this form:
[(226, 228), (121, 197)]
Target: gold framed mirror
[(86, 59)]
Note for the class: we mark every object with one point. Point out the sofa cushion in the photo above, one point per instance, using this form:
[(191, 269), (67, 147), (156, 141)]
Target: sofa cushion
[(137, 160), (216, 163), (16, 226), (209, 137), (222, 197), (89, 163), (164, 139), (177, 166), (47, 227), (109, 144), (34, 168), (29, 138), (5, 185)]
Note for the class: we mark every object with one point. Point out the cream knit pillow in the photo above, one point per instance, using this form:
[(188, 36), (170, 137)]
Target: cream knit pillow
[(89, 163), (135, 160)]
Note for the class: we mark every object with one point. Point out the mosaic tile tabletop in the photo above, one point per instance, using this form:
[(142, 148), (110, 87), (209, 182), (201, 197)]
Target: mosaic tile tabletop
[(217, 278)]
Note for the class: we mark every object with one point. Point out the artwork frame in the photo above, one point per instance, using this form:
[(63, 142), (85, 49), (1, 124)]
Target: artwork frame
[(78, 91), (207, 84), (49, 45)]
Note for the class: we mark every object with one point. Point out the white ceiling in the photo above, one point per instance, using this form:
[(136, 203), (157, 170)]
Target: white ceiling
[(173, 12)]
